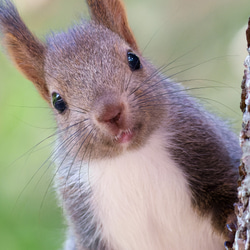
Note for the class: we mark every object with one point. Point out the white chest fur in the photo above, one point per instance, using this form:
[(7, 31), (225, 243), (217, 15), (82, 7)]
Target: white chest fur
[(143, 202)]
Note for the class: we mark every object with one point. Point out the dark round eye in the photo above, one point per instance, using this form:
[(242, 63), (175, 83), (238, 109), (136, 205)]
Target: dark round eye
[(58, 102), (133, 61)]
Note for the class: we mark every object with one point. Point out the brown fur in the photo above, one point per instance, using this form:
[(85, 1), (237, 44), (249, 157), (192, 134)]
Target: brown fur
[(112, 15), (25, 50)]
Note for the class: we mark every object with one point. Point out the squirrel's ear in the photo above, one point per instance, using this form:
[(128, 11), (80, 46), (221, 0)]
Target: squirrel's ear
[(112, 14), (26, 51)]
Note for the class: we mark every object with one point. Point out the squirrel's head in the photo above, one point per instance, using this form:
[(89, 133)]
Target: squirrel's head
[(29, 53), (93, 76)]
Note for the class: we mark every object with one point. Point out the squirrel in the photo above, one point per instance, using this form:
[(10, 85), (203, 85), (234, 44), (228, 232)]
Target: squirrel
[(140, 164)]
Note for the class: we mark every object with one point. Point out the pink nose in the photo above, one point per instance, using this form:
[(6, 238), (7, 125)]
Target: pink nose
[(113, 116), (111, 113)]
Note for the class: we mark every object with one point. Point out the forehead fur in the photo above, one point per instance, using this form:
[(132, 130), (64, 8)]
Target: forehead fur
[(86, 56), (84, 49), (86, 40)]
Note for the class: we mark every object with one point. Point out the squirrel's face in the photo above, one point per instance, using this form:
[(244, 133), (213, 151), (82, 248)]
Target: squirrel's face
[(103, 93), (105, 96)]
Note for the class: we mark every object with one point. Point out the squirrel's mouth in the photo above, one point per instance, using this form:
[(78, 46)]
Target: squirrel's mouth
[(124, 136)]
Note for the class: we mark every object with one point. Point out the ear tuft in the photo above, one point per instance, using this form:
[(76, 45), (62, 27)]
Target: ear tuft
[(25, 50), (112, 14)]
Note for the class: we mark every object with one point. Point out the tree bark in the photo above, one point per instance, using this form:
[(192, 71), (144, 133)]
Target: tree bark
[(242, 208)]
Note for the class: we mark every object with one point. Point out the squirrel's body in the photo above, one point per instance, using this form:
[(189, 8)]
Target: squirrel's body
[(132, 207), (139, 164)]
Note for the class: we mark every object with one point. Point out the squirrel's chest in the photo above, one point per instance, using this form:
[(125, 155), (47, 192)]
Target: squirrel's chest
[(143, 202)]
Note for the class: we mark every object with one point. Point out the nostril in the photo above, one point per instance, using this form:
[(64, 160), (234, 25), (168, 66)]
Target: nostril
[(111, 114), (115, 119), (112, 118)]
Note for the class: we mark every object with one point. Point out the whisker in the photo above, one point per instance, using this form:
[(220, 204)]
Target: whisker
[(194, 66), (154, 105), (32, 150), (156, 72), (73, 160), (195, 88), (83, 111), (222, 104), (178, 58), (129, 80), (194, 80), (66, 142), (163, 71), (93, 136), (72, 137)]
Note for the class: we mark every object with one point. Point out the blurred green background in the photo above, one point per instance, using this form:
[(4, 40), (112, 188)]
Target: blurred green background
[(208, 37)]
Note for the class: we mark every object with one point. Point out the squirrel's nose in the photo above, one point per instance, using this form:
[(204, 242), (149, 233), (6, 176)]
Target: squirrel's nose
[(112, 115)]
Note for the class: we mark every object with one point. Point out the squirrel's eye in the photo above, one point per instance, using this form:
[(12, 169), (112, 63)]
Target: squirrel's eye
[(58, 102), (133, 61)]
